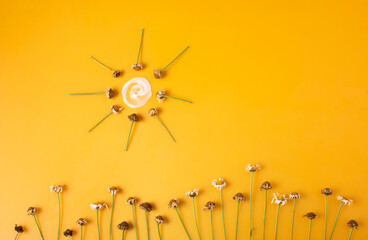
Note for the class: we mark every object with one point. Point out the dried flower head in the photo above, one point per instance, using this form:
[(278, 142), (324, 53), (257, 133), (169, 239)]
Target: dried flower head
[(174, 203), (160, 95), (326, 191), (57, 188), (157, 73), (109, 93), (116, 74), (345, 201), (152, 112), (133, 117), (18, 229), (252, 168), (82, 221), (113, 190), (131, 200), (193, 193), (218, 183), (146, 206), (266, 186), (68, 233), (159, 220), (294, 195), (116, 109), (209, 206), (31, 211), (123, 226), (279, 199), (239, 197), (310, 215), (137, 67), (98, 206), (353, 224)]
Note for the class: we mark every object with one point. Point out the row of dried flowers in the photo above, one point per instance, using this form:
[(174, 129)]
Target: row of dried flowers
[(278, 199)]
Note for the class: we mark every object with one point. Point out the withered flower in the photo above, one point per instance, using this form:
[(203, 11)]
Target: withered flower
[(133, 117), (98, 206), (113, 190), (123, 226), (193, 193), (137, 67), (56, 188), (353, 224), (345, 201), (174, 203), (159, 220), (68, 233), (146, 206), (18, 229), (82, 221), (294, 195), (310, 215), (160, 95), (157, 73), (218, 183), (252, 168), (266, 186), (116, 74), (152, 112), (109, 93), (209, 206), (31, 211), (239, 197), (326, 191), (116, 109), (131, 200)]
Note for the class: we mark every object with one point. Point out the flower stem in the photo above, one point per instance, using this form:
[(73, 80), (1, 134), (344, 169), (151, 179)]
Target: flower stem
[(140, 47), (158, 230), (165, 128), (94, 59), (337, 215), (81, 232), (134, 222), (16, 236), (174, 59), (147, 225), (351, 232), (310, 229), (222, 212), (179, 99), (112, 209), (292, 220), (130, 131), (100, 121), (325, 217), (277, 219), (211, 224), (123, 235), (92, 93), (39, 229), (264, 215), (182, 223), (250, 204), (195, 218), (98, 225), (236, 222), (58, 196)]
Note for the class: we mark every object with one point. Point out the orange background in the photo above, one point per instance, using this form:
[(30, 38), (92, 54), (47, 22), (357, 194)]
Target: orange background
[(282, 84)]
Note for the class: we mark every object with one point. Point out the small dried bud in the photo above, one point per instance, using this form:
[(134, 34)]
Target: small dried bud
[(294, 195), (252, 168), (152, 112), (146, 206), (137, 67), (115, 109), (159, 220), (239, 197), (193, 193), (57, 188), (209, 206), (266, 186), (157, 73), (81, 221), (326, 191), (109, 93), (174, 203), (133, 117), (68, 233), (131, 200), (160, 95), (31, 211), (353, 224), (123, 226), (310, 215), (116, 74), (113, 190), (18, 229)]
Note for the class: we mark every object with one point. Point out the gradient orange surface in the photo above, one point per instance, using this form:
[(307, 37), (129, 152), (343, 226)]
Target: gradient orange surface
[(279, 83)]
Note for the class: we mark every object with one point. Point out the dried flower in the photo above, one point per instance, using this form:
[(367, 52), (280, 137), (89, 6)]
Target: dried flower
[(157, 73), (159, 220), (113, 190), (218, 183), (57, 188), (82, 221), (109, 93), (353, 224), (252, 168), (98, 206), (193, 193), (209, 206), (116, 109), (116, 74), (326, 191), (345, 201), (146, 206), (137, 67), (133, 117), (239, 197), (31, 211), (18, 229), (123, 226), (266, 186), (68, 233), (174, 203), (279, 199), (310, 215), (294, 195), (160, 95), (152, 112), (131, 200)]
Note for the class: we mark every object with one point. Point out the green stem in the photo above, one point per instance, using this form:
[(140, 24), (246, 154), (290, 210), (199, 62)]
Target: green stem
[(81, 232), (39, 229), (182, 223), (250, 204), (174, 59), (264, 215), (178, 99), (195, 218), (134, 222), (236, 222), (222, 212), (98, 225), (123, 235), (147, 225), (94, 59), (337, 215), (325, 217), (292, 220), (165, 128), (158, 230), (351, 232), (100, 121), (211, 224), (92, 93), (112, 209), (58, 196), (130, 131), (277, 219), (310, 229), (140, 47)]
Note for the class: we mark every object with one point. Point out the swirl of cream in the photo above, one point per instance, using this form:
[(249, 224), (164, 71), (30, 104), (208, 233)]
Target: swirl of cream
[(136, 92)]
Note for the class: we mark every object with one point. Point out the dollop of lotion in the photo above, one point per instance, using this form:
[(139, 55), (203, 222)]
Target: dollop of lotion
[(136, 92)]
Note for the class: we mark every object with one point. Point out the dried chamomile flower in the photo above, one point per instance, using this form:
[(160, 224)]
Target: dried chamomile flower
[(209, 206), (131, 200), (266, 186), (109, 93), (18, 229), (98, 206), (159, 220), (31, 211), (157, 73), (252, 168), (239, 197), (160, 95), (113, 190), (146, 206), (137, 67), (68, 233), (174, 203), (294, 195), (123, 226), (152, 112), (116, 109), (218, 183), (82, 221), (133, 117), (115, 73), (57, 188), (326, 191), (193, 193), (310, 215), (353, 224), (345, 201), (279, 199)]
